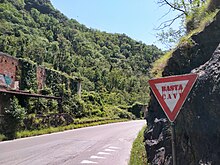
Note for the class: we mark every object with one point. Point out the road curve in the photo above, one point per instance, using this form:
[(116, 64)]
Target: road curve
[(105, 145)]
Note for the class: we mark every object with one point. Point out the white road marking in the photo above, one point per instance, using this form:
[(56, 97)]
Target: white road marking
[(103, 153), (88, 162), (112, 147), (121, 139), (110, 150), (106, 146), (97, 157)]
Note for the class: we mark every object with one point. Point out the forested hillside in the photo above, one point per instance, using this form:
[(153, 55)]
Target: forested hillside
[(110, 64), (113, 68)]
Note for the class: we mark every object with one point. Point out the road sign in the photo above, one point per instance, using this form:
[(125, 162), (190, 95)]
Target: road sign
[(171, 92)]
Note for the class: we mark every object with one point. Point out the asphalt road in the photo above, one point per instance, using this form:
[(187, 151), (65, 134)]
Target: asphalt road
[(105, 145)]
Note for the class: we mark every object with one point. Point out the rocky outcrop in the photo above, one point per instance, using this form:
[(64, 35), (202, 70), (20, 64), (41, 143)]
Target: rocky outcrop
[(213, 4), (198, 124)]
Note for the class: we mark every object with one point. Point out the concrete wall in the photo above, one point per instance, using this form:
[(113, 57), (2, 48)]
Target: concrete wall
[(9, 71), (8, 68), (41, 77)]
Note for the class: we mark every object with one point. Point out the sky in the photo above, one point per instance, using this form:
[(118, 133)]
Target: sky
[(137, 19)]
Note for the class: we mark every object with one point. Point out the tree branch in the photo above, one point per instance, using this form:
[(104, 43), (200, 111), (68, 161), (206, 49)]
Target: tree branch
[(174, 7), (164, 25)]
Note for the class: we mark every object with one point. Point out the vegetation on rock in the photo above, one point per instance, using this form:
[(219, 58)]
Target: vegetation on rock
[(197, 123)]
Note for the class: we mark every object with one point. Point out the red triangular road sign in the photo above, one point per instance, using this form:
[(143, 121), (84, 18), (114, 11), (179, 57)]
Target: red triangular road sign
[(171, 92)]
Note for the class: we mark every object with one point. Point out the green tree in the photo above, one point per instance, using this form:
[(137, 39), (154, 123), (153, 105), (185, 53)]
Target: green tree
[(14, 116)]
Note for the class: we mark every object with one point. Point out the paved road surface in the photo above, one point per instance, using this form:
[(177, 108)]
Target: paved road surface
[(104, 145)]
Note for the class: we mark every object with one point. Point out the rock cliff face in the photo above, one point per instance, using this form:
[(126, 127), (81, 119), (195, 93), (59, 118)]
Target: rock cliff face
[(198, 124)]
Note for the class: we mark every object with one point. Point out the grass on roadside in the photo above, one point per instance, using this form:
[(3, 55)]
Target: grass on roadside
[(138, 153), (27, 133), (2, 137)]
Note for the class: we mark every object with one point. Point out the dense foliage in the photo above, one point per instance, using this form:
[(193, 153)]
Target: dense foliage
[(107, 62), (14, 115), (114, 68)]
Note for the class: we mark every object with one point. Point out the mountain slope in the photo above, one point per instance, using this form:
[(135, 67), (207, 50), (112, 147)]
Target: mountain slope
[(107, 62)]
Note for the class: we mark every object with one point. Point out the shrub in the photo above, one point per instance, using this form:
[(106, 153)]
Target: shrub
[(2, 137), (114, 111), (136, 109), (124, 114), (76, 107), (14, 116)]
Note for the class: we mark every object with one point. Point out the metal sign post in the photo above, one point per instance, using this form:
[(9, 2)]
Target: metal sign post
[(173, 138)]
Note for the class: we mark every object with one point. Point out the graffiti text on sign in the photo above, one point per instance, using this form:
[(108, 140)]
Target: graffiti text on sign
[(172, 91)]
